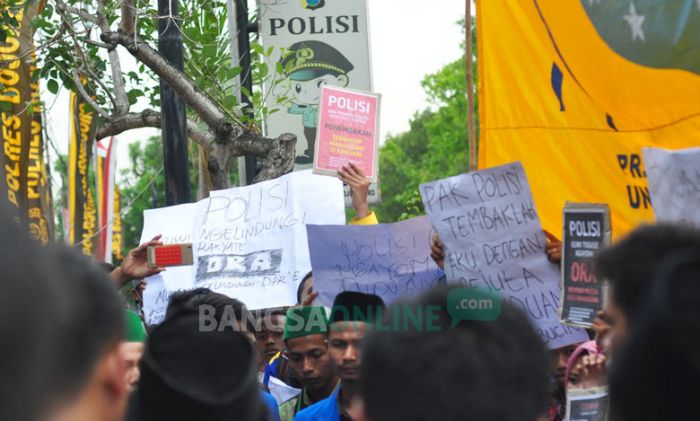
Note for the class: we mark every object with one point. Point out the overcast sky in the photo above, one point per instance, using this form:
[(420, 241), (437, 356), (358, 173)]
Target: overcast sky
[(409, 39)]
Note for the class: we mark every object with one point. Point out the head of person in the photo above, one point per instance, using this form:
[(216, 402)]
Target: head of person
[(438, 370), (90, 370), (559, 360), (133, 347), (306, 340), (629, 266), (269, 331), (312, 64), (29, 296), (190, 373), (352, 316), (305, 288), (656, 372)]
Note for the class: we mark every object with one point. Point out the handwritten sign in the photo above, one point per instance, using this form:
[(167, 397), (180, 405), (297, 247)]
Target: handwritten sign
[(589, 404), (175, 224), (586, 229), (348, 131), (674, 184), (493, 239), (389, 260), (250, 242)]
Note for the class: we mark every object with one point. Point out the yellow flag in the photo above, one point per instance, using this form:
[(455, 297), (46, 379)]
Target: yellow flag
[(575, 89)]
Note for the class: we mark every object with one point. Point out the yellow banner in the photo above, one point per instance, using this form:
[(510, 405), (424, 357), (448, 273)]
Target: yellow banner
[(574, 89)]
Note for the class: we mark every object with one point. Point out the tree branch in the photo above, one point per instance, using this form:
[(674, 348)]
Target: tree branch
[(200, 102), (86, 96), (121, 99), (148, 118)]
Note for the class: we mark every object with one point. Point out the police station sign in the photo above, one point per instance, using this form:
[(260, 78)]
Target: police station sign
[(316, 43)]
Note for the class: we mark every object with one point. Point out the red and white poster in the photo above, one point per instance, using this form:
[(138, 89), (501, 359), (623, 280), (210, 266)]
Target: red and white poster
[(348, 131)]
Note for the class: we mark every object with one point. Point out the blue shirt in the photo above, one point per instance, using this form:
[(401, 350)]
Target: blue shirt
[(271, 405), (324, 410)]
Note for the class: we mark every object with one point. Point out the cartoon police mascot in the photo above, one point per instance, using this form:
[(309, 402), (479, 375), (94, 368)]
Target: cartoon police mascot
[(309, 66)]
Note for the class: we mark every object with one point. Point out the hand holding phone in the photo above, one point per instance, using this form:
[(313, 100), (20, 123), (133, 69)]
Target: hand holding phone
[(170, 255)]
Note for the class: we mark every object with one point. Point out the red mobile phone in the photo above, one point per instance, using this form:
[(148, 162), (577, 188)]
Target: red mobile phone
[(170, 255)]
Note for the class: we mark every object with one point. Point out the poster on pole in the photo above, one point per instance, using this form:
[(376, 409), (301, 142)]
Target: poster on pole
[(348, 131), (311, 44), (493, 239), (674, 184), (586, 230)]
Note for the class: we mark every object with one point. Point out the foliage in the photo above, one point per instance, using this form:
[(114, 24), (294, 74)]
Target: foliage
[(434, 147)]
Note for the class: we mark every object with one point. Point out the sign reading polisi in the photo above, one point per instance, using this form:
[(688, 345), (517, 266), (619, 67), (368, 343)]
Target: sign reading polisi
[(586, 230), (315, 43)]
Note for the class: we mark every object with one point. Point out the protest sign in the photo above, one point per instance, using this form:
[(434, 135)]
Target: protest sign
[(493, 239), (348, 131), (389, 260), (587, 404), (250, 242), (674, 184), (175, 224), (586, 229)]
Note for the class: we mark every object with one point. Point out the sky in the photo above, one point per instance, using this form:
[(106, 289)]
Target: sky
[(408, 39)]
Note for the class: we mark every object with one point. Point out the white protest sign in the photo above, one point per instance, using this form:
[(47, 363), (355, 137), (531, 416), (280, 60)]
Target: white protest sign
[(493, 239), (175, 224), (250, 242), (281, 391), (674, 184)]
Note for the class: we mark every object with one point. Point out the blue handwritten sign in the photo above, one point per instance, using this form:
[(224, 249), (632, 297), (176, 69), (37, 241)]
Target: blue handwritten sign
[(389, 260)]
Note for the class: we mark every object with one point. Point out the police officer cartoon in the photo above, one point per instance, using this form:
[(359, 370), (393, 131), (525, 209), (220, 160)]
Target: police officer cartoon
[(308, 66)]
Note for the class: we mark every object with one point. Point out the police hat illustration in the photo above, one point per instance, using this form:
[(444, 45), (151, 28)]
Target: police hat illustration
[(308, 60)]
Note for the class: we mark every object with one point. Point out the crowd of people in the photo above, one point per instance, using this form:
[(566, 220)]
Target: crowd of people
[(73, 352)]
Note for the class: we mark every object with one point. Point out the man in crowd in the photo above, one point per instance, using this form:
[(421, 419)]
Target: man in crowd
[(199, 365), (269, 328), (306, 339), (472, 370), (629, 266), (88, 368), (352, 316)]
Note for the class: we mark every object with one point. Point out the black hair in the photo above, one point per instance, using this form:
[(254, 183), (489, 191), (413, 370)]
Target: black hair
[(28, 324), (300, 288), (497, 371), (190, 301), (656, 373), (92, 320), (630, 264)]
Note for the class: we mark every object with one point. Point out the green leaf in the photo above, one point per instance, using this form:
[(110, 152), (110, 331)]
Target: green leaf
[(52, 86)]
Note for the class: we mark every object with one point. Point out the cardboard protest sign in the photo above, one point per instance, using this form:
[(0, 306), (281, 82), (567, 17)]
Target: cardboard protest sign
[(175, 224), (493, 239), (587, 404), (250, 242), (674, 184), (586, 229), (389, 260), (348, 131)]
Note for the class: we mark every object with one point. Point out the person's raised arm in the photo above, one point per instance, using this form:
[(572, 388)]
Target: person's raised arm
[(353, 176), (135, 264)]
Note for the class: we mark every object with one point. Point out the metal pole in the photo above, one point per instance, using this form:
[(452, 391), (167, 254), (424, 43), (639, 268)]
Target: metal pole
[(471, 125), (246, 78), (173, 114)]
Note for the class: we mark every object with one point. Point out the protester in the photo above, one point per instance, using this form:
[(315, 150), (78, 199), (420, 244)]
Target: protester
[(656, 372), (29, 300), (199, 366), (355, 178), (88, 368), (305, 291), (269, 328), (133, 347), (629, 267), (352, 316), (478, 370), (559, 358), (135, 264), (306, 339)]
